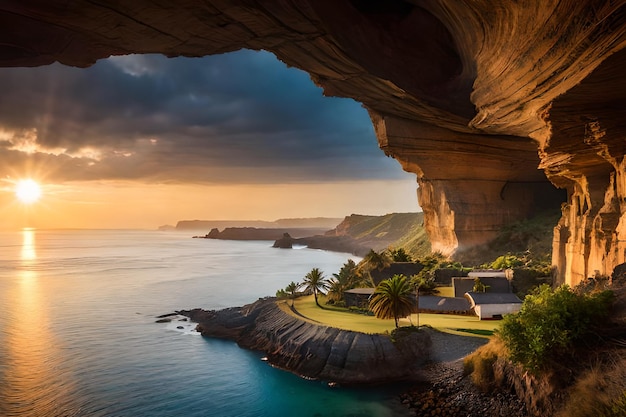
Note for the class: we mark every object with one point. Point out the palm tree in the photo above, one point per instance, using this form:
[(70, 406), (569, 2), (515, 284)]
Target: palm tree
[(291, 289), (374, 260), (400, 255), (335, 289), (346, 279), (348, 274), (392, 298), (419, 282), (314, 281)]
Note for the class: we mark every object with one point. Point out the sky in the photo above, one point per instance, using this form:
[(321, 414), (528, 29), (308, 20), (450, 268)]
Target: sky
[(141, 141)]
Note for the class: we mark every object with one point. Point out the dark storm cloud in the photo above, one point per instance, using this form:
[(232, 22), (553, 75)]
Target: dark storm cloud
[(240, 117)]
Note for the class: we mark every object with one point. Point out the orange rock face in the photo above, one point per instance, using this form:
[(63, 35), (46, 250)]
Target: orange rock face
[(500, 109)]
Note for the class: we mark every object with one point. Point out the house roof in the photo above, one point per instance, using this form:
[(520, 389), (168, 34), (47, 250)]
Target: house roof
[(487, 273), (492, 298), (365, 291)]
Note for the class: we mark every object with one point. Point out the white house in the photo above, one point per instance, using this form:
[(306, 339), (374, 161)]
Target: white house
[(488, 305)]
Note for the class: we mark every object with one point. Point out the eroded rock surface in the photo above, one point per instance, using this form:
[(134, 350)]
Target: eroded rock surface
[(491, 105), (315, 351)]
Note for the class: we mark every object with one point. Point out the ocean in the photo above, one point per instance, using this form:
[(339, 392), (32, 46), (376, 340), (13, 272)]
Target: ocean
[(78, 331)]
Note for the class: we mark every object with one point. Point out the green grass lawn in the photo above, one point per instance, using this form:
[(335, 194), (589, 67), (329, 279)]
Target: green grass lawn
[(445, 291), (344, 319)]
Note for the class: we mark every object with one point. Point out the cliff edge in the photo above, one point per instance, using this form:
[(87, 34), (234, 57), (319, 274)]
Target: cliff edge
[(318, 352), (358, 234)]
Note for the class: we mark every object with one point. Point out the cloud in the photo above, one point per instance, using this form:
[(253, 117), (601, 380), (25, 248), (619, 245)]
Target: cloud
[(242, 117)]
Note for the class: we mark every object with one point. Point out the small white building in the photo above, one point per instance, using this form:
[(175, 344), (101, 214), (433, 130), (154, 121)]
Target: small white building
[(487, 273), (487, 305)]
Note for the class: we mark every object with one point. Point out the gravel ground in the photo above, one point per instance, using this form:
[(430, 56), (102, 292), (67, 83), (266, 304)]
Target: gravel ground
[(448, 393)]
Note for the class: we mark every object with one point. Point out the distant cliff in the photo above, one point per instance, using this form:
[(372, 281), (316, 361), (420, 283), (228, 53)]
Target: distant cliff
[(254, 233), (317, 352), (358, 234), (324, 223)]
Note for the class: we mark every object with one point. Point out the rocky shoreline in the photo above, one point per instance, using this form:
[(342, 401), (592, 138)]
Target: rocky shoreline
[(318, 352), (429, 360), (450, 393)]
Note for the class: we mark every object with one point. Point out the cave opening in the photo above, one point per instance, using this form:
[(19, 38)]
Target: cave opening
[(217, 130)]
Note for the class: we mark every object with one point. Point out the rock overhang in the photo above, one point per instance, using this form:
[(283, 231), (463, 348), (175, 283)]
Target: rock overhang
[(490, 105)]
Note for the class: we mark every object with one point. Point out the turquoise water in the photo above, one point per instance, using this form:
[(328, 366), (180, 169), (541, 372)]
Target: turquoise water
[(78, 335)]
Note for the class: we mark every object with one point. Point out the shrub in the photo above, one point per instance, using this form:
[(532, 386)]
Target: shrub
[(424, 282), (550, 324), (400, 255), (480, 364), (600, 391), (479, 286), (507, 261)]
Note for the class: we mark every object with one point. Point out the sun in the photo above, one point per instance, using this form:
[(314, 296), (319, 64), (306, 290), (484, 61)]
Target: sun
[(27, 191)]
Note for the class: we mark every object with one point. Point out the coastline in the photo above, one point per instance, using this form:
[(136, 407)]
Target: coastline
[(318, 352), (431, 362), (321, 352)]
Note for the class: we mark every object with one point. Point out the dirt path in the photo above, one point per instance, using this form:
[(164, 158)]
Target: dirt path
[(451, 348)]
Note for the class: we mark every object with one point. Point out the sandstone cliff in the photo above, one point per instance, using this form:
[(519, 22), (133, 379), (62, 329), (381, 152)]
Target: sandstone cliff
[(314, 351), (492, 105)]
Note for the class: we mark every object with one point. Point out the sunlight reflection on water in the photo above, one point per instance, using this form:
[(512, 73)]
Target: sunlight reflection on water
[(78, 335), (34, 382)]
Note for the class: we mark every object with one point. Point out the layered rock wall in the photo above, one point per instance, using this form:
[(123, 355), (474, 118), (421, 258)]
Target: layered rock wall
[(585, 155), (315, 351), (472, 96), (469, 184)]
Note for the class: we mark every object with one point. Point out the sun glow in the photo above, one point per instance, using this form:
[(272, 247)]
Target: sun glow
[(27, 191)]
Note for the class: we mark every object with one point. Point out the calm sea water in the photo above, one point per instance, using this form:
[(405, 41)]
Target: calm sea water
[(78, 335)]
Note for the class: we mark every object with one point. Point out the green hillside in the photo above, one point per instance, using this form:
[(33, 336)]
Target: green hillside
[(531, 238), (396, 230)]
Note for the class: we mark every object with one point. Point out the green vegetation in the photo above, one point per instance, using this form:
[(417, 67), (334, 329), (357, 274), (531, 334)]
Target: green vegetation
[(566, 339), (479, 286), (480, 364), (507, 261), (558, 336), (290, 292), (396, 230), (551, 323), (542, 265), (423, 284), (600, 391), (291, 289), (392, 299), (431, 264), (399, 255), (343, 318), (530, 241), (373, 261), (346, 279), (480, 332), (315, 283)]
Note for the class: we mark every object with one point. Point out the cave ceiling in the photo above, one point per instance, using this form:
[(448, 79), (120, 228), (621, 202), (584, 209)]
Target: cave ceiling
[(476, 97)]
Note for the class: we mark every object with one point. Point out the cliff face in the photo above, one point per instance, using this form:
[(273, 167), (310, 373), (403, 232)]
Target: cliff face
[(492, 105), (317, 352)]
